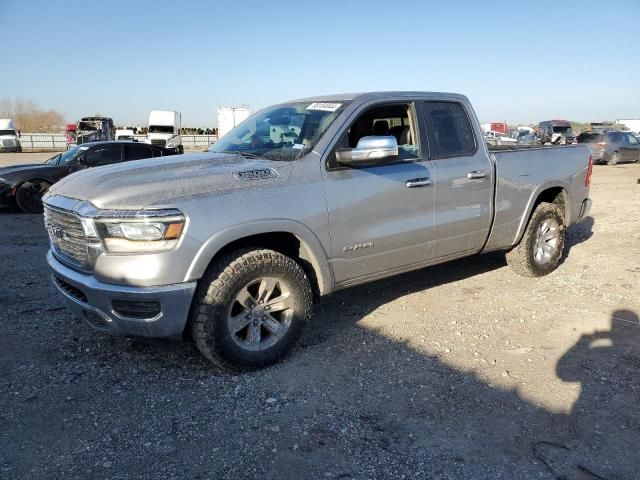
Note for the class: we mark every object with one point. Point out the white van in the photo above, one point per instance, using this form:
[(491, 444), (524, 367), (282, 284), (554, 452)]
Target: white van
[(164, 130), (124, 134), (9, 136)]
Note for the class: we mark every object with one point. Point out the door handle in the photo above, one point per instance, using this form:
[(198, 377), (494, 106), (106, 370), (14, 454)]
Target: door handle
[(476, 174), (418, 182)]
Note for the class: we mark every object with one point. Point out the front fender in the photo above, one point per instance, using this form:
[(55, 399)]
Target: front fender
[(311, 246)]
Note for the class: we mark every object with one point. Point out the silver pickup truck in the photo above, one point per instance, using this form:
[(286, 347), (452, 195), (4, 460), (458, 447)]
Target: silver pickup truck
[(232, 246)]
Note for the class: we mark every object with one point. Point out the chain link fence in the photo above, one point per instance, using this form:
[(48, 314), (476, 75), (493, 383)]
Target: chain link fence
[(58, 141)]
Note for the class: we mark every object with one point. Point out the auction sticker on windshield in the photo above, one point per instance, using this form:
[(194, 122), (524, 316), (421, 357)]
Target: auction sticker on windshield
[(324, 106)]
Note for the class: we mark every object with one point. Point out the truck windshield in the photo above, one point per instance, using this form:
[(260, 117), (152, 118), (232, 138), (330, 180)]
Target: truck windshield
[(66, 157), (87, 126), (160, 129), (561, 129), (281, 133), (7, 132)]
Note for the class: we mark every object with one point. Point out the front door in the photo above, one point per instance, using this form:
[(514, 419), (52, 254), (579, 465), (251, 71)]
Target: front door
[(463, 180), (381, 218)]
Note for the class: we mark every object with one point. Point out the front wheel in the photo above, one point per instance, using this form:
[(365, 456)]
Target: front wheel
[(29, 196), (540, 249), (250, 309)]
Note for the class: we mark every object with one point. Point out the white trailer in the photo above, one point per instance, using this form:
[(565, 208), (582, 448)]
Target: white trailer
[(229, 117), (164, 129), (631, 124)]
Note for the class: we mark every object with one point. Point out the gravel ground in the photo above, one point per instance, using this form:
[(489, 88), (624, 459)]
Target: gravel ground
[(464, 370)]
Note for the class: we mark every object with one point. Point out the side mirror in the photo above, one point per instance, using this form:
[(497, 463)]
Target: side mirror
[(77, 164), (369, 151)]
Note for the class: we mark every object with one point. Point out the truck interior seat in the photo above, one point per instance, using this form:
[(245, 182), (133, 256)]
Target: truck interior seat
[(381, 128), (405, 136), (397, 132)]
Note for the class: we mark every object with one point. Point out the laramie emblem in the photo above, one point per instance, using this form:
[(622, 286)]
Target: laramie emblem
[(357, 246), (260, 174)]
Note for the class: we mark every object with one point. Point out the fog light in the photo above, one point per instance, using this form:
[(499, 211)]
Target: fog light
[(136, 309)]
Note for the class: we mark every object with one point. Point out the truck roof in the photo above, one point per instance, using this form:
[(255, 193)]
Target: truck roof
[(347, 97), (7, 124)]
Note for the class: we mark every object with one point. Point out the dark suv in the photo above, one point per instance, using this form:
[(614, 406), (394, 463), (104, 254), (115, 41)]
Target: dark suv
[(611, 147), (24, 185)]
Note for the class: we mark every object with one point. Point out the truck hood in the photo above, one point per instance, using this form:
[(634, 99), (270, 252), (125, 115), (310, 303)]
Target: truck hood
[(158, 181)]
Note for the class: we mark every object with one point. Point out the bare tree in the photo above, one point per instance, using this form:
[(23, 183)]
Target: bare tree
[(29, 117)]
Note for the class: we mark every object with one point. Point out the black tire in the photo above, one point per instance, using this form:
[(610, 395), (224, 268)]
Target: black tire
[(215, 300), (615, 158), (29, 196), (523, 258), (180, 149)]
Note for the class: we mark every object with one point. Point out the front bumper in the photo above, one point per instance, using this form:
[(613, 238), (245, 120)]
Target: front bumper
[(14, 149), (92, 301), (6, 195)]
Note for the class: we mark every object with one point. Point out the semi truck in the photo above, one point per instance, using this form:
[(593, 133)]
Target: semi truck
[(164, 130), (9, 136), (94, 129)]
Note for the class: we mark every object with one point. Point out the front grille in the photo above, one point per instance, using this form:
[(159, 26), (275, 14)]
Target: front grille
[(71, 290), (67, 237), (160, 143), (7, 143)]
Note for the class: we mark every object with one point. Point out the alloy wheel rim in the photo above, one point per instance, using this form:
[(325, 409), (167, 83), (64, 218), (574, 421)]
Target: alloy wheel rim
[(260, 314), (547, 241), (36, 192)]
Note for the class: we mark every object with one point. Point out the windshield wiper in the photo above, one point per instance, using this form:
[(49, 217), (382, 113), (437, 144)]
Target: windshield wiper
[(243, 153)]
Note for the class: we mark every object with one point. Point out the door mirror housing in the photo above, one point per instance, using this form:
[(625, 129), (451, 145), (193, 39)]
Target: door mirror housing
[(371, 150), (77, 164)]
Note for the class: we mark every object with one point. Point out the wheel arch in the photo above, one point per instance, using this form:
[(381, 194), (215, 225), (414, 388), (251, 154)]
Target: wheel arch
[(285, 236), (555, 193)]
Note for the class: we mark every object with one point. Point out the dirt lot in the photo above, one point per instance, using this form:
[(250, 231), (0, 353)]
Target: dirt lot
[(459, 371)]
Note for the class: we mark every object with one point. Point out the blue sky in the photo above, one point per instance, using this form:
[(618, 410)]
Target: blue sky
[(517, 61)]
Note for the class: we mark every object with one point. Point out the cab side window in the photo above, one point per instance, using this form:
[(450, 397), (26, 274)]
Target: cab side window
[(103, 155), (394, 120), (449, 130), (137, 151)]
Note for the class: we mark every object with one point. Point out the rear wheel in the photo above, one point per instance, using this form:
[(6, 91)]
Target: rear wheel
[(29, 196), (615, 158), (250, 309), (540, 249)]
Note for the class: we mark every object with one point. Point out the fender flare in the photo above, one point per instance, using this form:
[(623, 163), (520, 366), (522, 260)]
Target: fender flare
[(532, 201), (310, 247)]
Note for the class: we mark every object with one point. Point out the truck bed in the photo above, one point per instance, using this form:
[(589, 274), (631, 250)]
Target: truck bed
[(522, 172)]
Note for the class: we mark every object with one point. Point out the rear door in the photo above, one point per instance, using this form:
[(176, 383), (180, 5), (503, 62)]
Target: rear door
[(463, 180), (380, 217), (103, 154)]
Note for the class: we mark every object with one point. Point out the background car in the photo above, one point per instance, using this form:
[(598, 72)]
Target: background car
[(498, 138), (528, 138), (612, 147), (24, 185)]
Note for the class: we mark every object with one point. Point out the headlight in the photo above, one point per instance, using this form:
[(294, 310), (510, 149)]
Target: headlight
[(138, 232), (172, 143)]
